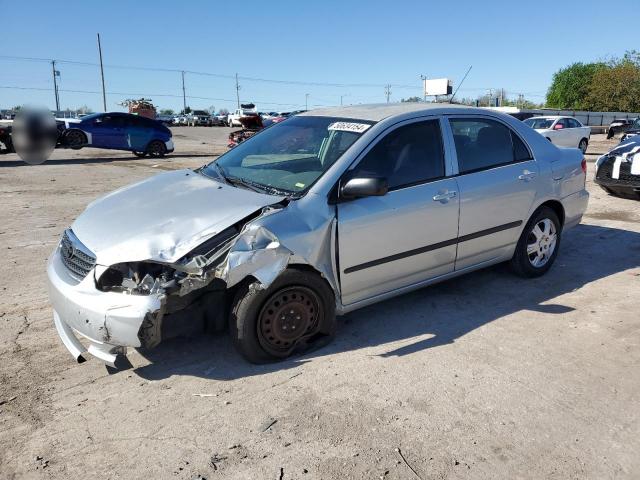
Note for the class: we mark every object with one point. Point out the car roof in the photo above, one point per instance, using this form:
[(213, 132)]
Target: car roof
[(377, 112)]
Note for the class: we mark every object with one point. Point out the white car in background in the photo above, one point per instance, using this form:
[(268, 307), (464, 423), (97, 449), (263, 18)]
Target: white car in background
[(561, 131)]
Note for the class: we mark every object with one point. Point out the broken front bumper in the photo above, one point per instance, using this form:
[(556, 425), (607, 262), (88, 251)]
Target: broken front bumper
[(109, 321)]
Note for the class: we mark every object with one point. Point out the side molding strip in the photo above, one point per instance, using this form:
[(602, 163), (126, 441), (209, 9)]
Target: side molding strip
[(434, 246)]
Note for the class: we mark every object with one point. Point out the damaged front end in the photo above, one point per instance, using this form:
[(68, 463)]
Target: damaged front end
[(141, 303)]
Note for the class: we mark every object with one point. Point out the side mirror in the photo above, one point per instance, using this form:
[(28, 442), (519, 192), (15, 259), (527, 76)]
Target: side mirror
[(558, 126), (364, 187)]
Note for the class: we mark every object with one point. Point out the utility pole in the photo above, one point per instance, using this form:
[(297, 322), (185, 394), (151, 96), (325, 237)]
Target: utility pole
[(104, 94), (387, 91), (342, 96), (184, 96), (306, 101), (55, 84), (237, 91)]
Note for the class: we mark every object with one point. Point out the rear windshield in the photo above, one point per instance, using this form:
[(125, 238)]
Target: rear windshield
[(539, 123)]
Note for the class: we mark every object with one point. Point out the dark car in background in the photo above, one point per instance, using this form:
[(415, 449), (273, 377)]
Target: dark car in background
[(618, 172), (116, 131), (632, 130), (619, 125), (6, 144)]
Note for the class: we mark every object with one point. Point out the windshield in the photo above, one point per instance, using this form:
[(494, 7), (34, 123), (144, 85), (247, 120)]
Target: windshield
[(636, 123), (539, 123), (288, 156)]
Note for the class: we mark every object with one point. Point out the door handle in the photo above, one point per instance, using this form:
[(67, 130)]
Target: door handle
[(526, 175), (445, 196)]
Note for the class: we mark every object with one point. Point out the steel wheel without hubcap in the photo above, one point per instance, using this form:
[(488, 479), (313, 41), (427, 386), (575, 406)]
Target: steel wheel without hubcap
[(541, 242), (288, 316)]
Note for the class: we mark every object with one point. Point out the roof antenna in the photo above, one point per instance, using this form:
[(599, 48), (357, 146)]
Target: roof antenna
[(461, 82)]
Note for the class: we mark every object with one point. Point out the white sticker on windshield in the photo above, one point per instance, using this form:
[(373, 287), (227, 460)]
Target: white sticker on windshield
[(349, 127)]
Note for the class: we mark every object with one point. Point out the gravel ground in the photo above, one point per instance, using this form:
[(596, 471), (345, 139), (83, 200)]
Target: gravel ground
[(485, 376)]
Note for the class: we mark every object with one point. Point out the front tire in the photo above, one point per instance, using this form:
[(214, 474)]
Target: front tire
[(293, 315), (156, 149), (538, 245), (75, 139)]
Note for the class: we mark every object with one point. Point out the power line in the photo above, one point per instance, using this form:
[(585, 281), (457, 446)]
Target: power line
[(210, 74), (135, 94)]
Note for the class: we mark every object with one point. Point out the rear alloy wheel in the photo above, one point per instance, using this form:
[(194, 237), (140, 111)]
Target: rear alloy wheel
[(583, 145), (296, 313), (538, 245), (156, 149), (75, 139)]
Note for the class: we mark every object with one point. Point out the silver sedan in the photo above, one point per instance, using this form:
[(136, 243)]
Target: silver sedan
[(319, 215)]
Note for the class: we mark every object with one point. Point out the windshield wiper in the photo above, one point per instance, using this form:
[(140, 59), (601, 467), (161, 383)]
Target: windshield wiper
[(255, 186)]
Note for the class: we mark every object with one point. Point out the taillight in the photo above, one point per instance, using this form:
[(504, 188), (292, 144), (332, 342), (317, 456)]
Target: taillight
[(583, 164)]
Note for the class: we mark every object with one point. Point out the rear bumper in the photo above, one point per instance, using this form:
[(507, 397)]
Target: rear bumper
[(169, 145), (107, 321), (574, 207)]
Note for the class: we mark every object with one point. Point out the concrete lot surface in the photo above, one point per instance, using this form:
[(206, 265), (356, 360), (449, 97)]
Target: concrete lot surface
[(483, 377)]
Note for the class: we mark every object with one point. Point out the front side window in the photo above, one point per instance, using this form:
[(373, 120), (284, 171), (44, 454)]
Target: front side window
[(484, 143), (406, 156), (288, 156)]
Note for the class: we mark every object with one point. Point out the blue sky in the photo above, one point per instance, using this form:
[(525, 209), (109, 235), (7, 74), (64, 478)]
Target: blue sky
[(361, 45)]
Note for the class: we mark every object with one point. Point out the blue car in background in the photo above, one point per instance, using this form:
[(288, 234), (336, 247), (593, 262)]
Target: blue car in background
[(116, 131)]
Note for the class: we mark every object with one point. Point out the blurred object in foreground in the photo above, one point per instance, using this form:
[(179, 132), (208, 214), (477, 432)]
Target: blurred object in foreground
[(34, 135)]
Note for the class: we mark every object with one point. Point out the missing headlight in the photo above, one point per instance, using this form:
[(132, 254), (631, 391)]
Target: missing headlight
[(138, 278)]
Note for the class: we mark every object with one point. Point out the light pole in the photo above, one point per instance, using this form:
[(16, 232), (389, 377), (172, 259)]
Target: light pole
[(104, 93), (184, 96), (424, 96), (342, 96)]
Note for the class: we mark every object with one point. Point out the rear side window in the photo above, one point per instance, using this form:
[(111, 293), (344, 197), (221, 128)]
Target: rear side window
[(573, 123), (408, 155), (483, 143)]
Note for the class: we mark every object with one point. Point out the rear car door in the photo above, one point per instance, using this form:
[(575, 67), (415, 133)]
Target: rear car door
[(109, 132), (408, 235), (498, 179)]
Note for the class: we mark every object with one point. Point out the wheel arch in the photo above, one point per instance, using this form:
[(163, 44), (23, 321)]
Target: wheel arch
[(554, 205), (86, 135)]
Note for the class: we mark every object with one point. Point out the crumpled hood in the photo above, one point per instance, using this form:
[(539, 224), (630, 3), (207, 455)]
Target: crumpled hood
[(164, 217)]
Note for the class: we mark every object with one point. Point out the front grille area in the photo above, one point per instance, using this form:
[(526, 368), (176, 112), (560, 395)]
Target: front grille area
[(75, 256), (625, 178)]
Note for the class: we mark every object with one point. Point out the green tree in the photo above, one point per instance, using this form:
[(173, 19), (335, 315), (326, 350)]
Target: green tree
[(185, 111), (616, 88), (570, 85), (166, 111), (411, 99)]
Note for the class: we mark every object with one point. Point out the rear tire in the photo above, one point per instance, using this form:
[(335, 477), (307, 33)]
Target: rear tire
[(156, 149), (538, 245), (263, 322), (584, 143)]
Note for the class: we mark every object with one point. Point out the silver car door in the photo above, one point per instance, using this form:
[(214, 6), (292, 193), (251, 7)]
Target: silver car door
[(498, 179), (408, 235)]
